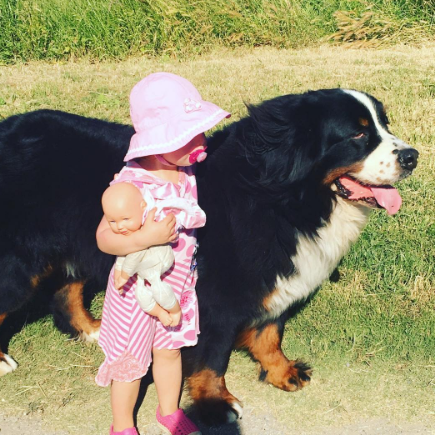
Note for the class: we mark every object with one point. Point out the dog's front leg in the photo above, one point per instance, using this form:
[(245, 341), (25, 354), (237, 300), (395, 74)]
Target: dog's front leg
[(205, 366), (264, 345)]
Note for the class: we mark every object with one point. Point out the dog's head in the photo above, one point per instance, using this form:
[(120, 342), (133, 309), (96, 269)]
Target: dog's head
[(335, 138)]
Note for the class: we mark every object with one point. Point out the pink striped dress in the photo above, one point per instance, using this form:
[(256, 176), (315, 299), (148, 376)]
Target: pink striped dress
[(127, 333)]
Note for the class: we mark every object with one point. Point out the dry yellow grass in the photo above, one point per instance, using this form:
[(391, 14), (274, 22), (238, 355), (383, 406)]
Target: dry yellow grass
[(374, 29)]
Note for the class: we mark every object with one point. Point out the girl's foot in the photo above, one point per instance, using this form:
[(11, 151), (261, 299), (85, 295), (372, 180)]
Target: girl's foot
[(129, 431), (177, 423)]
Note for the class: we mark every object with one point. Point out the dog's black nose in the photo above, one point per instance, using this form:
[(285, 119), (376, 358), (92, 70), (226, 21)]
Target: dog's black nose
[(408, 158)]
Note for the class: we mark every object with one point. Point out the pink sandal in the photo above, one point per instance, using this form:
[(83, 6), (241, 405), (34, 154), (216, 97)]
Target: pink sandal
[(129, 431), (177, 423)]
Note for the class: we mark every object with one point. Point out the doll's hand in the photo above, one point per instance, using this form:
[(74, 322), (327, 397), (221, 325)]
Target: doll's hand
[(117, 274), (158, 233), (119, 283)]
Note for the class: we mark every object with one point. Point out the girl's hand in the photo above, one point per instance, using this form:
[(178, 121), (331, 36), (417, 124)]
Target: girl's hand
[(158, 233)]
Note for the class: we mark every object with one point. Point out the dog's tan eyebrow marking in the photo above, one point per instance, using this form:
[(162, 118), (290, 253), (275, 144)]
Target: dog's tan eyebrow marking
[(364, 122)]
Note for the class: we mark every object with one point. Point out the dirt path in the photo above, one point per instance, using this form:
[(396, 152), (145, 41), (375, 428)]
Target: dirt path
[(251, 424)]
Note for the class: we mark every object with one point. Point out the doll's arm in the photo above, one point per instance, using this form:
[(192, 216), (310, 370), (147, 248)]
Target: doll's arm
[(187, 212), (151, 233), (120, 277), (125, 267), (119, 262), (132, 262)]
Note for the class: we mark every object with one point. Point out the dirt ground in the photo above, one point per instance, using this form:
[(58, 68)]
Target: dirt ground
[(251, 424)]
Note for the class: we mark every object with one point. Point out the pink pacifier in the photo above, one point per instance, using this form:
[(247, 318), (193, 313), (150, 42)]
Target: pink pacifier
[(198, 156)]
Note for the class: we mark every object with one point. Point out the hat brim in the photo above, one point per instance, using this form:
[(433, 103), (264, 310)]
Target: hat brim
[(172, 136)]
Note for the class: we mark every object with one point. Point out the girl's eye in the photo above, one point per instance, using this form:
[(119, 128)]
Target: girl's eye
[(359, 136), (126, 219)]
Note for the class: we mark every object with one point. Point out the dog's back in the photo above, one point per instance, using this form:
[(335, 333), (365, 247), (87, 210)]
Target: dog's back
[(54, 167)]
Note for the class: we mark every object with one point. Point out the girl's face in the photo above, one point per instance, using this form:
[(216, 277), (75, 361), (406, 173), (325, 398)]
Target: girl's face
[(182, 157)]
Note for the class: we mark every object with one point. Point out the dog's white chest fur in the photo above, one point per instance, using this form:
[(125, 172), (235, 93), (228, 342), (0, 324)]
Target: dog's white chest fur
[(316, 258)]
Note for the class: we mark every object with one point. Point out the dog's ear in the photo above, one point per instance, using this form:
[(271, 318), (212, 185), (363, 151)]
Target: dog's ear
[(285, 140)]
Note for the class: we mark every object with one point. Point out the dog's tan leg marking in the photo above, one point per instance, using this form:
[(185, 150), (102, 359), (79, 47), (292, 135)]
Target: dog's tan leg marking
[(7, 364), (207, 388), (81, 319), (265, 347), (35, 280)]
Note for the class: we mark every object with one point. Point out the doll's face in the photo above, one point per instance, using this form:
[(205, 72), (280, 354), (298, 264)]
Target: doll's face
[(123, 208), (181, 156), (125, 221)]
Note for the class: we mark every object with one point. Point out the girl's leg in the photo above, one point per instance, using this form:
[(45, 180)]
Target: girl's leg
[(167, 377), (123, 398)]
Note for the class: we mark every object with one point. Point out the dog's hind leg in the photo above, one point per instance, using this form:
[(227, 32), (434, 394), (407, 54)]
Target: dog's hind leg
[(264, 345), (71, 316), (18, 283), (7, 364)]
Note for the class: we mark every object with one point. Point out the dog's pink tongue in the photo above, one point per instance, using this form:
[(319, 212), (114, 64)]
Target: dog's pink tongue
[(386, 196)]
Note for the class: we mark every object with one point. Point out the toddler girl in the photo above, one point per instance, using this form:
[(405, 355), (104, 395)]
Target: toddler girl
[(170, 119), (124, 207)]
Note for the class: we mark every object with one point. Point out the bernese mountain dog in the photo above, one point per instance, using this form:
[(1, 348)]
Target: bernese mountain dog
[(286, 190)]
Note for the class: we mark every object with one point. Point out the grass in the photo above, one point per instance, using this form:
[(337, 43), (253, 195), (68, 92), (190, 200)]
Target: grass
[(370, 336), (115, 29)]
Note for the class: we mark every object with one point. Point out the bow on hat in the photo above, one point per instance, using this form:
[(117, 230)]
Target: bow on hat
[(191, 105)]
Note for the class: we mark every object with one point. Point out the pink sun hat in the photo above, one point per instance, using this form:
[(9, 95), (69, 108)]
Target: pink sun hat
[(167, 113)]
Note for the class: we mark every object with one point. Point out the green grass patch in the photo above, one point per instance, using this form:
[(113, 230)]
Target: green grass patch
[(369, 336), (116, 29)]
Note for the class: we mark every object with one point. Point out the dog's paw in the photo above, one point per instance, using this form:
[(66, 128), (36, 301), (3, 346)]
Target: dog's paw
[(215, 404), (90, 336), (7, 364), (290, 377), (216, 412)]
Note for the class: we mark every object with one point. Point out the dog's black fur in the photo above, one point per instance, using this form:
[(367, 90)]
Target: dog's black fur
[(54, 167), (266, 182)]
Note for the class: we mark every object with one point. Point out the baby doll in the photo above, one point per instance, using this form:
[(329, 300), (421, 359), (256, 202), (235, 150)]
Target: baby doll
[(125, 208)]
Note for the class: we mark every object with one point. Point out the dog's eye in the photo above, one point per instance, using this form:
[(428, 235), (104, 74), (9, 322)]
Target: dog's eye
[(359, 135)]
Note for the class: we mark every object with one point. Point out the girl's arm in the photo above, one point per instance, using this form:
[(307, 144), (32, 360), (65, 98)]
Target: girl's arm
[(151, 234)]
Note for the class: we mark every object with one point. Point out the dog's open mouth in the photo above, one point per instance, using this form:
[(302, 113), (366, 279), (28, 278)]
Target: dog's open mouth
[(376, 196)]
